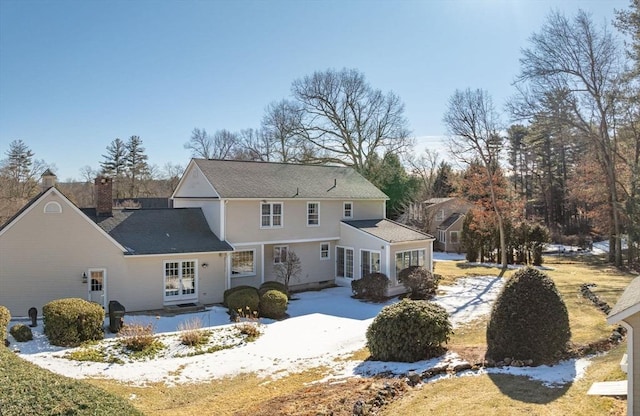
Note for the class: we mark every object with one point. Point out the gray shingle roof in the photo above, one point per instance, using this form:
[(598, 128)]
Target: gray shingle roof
[(389, 231), (160, 231), (242, 179), (630, 297), (451, 219)]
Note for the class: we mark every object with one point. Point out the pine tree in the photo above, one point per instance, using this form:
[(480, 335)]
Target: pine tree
[(114, 164), (136, 164)]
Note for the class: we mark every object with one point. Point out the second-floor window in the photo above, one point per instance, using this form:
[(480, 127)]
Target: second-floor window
[(440, 215), (270, 214), (313, 213), (347, 210)]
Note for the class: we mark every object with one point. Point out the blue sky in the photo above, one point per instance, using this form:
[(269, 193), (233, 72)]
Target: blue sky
[(74, 75)]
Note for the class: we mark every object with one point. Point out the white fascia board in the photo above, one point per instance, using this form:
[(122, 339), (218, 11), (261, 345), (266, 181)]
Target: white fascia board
[(622, 315), (305, 240)]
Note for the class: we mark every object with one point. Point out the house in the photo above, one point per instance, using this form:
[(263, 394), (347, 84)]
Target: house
[(442, 218), (230, 223), (627, 312)]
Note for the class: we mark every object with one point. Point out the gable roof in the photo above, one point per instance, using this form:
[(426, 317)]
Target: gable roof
[(451, 219), (160, 231), (389, 231), (434, 201), (628, 304), (245, 179)]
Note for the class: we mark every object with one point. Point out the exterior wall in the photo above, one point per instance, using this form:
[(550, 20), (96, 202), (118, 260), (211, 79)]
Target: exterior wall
[(395, 287), (43, 256), (243, 220), (194, 184), (633, 369), (315, 271)]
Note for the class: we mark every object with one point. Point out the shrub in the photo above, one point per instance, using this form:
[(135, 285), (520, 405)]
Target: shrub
[(273, 304), (72, 321), (244, 301), (136, 337), (529, 320), (228, 293), (250, 330), (273, 285), (370, 287), (408, 331), (420, 282), (5, 317), (21, 333), (191, 333)]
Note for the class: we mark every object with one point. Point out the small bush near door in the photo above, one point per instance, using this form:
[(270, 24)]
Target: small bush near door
[(72, 321), (21, 333), (370, 287), (273, 304), (244, 302)]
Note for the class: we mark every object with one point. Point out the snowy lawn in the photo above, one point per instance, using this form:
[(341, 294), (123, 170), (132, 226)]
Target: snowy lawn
[(324, 329)]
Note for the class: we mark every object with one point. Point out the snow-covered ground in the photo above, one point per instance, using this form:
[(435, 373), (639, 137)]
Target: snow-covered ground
[(324, 329)]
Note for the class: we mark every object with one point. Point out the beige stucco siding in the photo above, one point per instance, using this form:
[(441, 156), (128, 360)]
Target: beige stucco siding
[(194, 184), (43, 256)]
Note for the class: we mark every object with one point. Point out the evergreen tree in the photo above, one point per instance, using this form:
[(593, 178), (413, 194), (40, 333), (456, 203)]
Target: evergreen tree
[(136, 165), (114, 164)]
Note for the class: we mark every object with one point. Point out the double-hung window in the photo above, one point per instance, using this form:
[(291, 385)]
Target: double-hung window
[(179, 279), (243, 263), (453, 237), (324, 251), (270, 214), (347, 210), (280, 254), (442, 236), (369, 262), (313, 214), (344, 262)]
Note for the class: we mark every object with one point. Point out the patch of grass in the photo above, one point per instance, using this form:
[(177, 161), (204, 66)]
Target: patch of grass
[(250, 330), (28, 390), (192, 333)]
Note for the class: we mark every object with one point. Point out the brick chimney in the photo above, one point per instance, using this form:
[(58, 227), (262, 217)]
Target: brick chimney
[(48, 179), (104, 196)]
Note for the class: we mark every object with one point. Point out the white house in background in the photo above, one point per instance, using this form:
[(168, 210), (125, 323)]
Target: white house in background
[(231, 223), (627, 312)]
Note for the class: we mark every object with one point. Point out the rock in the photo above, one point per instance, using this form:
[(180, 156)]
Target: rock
[(500, 364), (528, 362), (517, 363), (413, 378), (461, 367), (507, 361), (358, 408)]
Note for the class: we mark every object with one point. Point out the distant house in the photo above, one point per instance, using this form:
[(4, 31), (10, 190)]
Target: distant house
[(627, 312), (230, 223), (442, 218)]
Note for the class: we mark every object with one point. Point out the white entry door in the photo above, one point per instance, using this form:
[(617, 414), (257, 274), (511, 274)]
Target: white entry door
[(97, 285)]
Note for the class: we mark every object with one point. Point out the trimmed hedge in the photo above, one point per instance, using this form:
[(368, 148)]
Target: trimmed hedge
[(420, 282), (70, 322), (5, 318), (228, 292), (529, 320), (245, 301), (409, 331), (273, 304), (21, 333), (370, 287), (273, 285)]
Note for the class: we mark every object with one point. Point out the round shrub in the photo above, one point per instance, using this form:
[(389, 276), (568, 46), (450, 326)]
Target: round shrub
[(420, 282), (273, 285), (273, 304), (72, 321), (228, 292), (244, 302), (529, 320), (5, 317), (370, 287), (21, 333), (408, 331)]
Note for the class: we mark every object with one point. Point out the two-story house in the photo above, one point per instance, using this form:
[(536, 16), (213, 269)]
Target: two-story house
[(444, 218), (230, 224)]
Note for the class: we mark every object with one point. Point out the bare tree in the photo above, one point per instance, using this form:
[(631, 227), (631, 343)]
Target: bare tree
[(254, 145), (581, 63), (474, 135), (425, 167), (346, 120), (222, 145), (200, 144), (290, 268)]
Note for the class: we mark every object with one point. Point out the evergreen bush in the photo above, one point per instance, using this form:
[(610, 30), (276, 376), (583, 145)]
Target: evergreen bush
[(529, 320), (420, 282), (408, 331), (273, 285), (72, 321), (21, 333), (5, 318), (370, 287), (273, 304), (228, 292), (244, 302)]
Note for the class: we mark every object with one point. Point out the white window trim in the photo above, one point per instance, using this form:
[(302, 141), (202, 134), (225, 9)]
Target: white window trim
[(318, 204), (253, 273), (442, 236), (271, 204), (328, 250), (180, 296), (370, 251), (395, 259), (274, 253), (56, 210), (353, 272), (104, 284), (344, 210)]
